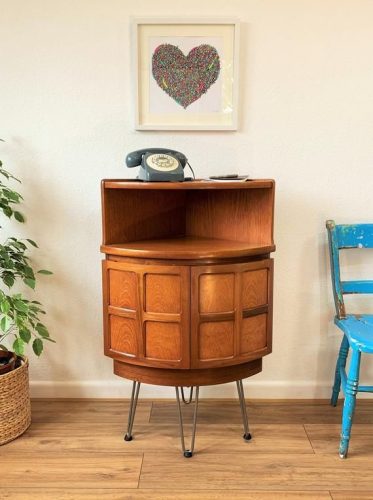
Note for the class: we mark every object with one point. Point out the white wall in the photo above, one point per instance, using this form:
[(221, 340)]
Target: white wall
[(306, 120)]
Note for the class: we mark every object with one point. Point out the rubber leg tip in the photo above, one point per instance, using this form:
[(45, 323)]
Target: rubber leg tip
[(343, 455), (247, 436), (188, 454), (128, 438)]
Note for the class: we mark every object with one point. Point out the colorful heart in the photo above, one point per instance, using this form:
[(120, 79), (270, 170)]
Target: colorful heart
[(185, 78)]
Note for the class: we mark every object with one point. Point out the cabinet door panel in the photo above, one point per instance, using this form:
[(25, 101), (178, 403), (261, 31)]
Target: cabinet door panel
[(216, 340), (122, 289), (147, 313), (216, 292), (253, 334), (231, 313), (162, 293), (123, 335), (254, 288), (162, 341)]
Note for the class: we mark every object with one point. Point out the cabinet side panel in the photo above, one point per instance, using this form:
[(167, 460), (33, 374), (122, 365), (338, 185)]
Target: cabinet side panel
[(239, 215), (131, 215)]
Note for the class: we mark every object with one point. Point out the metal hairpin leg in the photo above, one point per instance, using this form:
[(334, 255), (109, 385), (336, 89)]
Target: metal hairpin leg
[(241, 395), (190, 396), (187, 453), (132, 411)]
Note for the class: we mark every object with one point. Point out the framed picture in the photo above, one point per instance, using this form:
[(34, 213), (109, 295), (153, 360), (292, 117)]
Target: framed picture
[(185, 73)]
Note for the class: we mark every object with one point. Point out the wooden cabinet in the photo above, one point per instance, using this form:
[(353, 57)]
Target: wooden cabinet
[(187, 279)]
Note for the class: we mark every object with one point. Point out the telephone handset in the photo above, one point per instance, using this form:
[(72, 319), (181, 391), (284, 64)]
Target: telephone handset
[(158, 164)]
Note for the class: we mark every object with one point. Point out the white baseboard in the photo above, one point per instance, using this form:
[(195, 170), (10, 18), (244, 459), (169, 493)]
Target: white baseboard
[(122, 389)]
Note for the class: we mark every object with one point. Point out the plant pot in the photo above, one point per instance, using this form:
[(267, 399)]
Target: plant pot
[(7, 361), (15, 407)]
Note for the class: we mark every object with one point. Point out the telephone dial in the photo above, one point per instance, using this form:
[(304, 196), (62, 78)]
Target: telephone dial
[(158, 164)]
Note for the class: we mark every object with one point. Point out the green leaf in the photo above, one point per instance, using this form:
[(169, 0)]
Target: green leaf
[(18, 216), (44, 271), (18, 346), (7, 210), (20, 306), (8, 279), (32, 242), (37, 346), (5, 323), (4, 306), (30, 282), (25, 335), (42, 331)]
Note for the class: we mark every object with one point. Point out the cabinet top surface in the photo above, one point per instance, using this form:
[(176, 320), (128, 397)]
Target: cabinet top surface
[(187, 185)]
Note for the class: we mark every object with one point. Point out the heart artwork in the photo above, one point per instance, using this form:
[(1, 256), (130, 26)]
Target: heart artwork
[(185, 78)]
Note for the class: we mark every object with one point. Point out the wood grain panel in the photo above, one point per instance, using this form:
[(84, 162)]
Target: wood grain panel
[(164, 438), (162, 293), (216, 292), (123, 335), (79, 470), (254, 288), (216, 340), (253, 334), (187, 377), (162, 341), (123, 289), (150, 494), (133, 214), (237, 215), (256, 470), (325, 438)]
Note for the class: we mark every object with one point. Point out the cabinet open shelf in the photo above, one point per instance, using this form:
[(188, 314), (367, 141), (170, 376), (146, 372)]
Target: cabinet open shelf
[(187, 247)]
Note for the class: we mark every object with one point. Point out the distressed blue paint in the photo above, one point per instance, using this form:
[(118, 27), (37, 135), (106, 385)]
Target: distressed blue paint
[(335, 268), (365, 388), (340, 370), (354, 235), (350, 401), (359, 286), (357, 328)]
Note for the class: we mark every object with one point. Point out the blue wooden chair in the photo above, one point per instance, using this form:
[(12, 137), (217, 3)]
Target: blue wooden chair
[(357, 328)]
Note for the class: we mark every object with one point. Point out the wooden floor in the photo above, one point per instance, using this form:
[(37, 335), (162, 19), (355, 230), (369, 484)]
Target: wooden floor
[(75, 450)]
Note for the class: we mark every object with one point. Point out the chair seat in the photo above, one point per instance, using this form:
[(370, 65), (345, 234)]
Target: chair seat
[(359, 330)]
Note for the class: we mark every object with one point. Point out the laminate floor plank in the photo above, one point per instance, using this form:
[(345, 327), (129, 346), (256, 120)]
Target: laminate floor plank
[(256, 471), (73, 470), (91, 437), (352, 495), (123, 494), (325, 439), (58, 411), (295, 412)]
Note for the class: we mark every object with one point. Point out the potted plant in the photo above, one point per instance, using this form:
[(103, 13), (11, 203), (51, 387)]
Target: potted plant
[(20, 322)]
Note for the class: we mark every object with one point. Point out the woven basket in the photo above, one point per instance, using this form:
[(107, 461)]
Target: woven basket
[(15, 407)]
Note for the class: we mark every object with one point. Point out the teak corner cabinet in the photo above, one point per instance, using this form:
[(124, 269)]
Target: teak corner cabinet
[(187, 279)]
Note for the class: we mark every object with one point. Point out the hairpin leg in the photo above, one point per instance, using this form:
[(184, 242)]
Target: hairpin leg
[(241, 395), (190, 396), (187, 453), (132, 411)]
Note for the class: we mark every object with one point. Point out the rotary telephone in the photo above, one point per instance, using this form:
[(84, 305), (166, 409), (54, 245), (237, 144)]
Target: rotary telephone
[(158, 164)]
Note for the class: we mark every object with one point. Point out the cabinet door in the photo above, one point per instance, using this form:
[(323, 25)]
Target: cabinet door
[(231, 313), (146, 314)]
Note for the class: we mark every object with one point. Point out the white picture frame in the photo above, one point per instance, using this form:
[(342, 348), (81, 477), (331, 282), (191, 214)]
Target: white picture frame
[(190, 101)]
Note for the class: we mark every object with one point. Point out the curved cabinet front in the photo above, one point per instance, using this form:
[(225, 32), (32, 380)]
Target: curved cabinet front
[(187, 317)]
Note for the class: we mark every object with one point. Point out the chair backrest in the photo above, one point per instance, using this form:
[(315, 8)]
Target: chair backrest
[(346, 236)]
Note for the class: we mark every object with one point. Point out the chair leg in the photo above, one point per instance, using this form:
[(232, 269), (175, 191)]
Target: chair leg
[(350, 401), (132, 411), (241, 396), (341, 363)]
